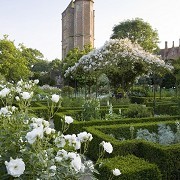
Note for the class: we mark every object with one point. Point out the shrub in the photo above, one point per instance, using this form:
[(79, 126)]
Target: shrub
[(132, 168), (91, 110), (137, 111), (67, 91), (72, 102), (138, 91)]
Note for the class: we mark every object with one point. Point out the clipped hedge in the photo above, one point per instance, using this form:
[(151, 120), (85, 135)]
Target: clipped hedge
[(123, 130), (165, 157), (170, 109), (77, 126), (131, 167)]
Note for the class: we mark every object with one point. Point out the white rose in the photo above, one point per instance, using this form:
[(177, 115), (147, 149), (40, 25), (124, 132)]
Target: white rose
[(55, 98), (4, 110), (47, 130), (76, 163), (4, 92), (116, 172), (53, 168), (17, 98), (15, 167), (107, 147), (68, 119), (37, 132), (36, 81), (26, 95)]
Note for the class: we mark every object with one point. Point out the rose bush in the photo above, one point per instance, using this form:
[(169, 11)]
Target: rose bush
[(30, 148)]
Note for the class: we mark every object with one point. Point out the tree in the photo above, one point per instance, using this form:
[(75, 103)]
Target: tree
[(176, 73), (70, 60), (13, 65), (122, 59), (32, 55), (139, 32)]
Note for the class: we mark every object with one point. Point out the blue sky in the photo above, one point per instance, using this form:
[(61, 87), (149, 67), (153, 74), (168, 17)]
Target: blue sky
[(37, 23)]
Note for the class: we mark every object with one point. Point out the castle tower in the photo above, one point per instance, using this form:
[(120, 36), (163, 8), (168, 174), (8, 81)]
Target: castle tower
[(77, 25)]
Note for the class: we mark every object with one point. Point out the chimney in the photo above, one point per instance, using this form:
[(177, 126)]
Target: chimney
[(166, 45), (173, 44)]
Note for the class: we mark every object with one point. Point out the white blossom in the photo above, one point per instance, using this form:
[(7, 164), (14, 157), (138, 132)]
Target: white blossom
[(84, 136), (4, 92), (107, 147), (55, 98), (36, 81), (76, 161), (47, 130), (4, 110), (116, 172), (17, 98), (68, 119), (32, 135), (60, 141), (26, 95), (15, 167)]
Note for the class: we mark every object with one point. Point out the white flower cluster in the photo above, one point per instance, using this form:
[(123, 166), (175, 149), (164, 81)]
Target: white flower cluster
[(40, 151), (7, 111), (39, 127), (73, 140), (114, 51), (25, 89)]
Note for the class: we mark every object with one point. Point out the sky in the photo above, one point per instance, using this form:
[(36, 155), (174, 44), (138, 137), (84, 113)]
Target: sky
[(37, 23)]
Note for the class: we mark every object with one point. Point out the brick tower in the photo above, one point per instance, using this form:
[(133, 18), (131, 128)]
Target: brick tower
[(77, 25)]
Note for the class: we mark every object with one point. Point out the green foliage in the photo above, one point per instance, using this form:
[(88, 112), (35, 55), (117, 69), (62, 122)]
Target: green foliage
[(137, 111), (138, 91), (67, 91), (13, 65), (166, 158), (31, 55), (72, 102), (72, 57), (131, 168), (91, 110), (137, 31)]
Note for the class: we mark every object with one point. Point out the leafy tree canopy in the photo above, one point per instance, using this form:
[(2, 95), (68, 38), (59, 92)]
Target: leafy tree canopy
[(139, 32), (31, 55), (72, 57), (13, 65)]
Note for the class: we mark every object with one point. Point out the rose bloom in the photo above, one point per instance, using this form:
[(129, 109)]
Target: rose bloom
[(15, 167), (4, 110), (26, 95), (116, 172), (32, 136), (55, 98), (17, 98), (107, 147), (68, 119), (36, 81), (76, 163), (4, 92)]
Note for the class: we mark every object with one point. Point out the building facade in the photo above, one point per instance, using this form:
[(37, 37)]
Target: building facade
[(171, 53), (77, 25)]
